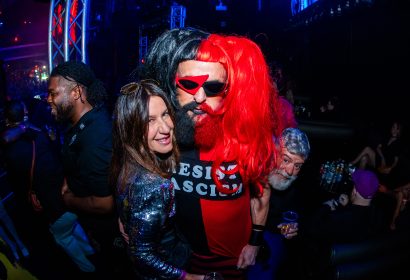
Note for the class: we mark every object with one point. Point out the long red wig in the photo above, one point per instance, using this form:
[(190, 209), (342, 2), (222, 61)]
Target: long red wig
[(251, 110)]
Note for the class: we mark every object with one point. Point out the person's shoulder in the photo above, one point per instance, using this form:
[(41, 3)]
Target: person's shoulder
[(99, 132), (148, 185), (100, 119), (96, 130), (146, 177)]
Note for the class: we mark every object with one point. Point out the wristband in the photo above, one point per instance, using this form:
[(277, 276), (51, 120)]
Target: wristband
[(183, 275), (256, 238), (258, 227)]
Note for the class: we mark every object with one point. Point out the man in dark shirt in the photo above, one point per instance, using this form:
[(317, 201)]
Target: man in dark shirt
[(76, 96), (294, 148), (347, 219), (344, 220)]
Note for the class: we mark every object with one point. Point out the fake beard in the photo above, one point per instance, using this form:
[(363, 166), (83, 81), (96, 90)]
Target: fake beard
[(184, 131), (208, 131), (202, 134)]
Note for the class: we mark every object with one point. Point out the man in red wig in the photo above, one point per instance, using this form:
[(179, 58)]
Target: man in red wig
[(227, 110)]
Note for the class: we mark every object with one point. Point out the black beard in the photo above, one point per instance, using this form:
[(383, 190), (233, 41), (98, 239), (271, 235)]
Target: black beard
[(64, 113), (185, 126)]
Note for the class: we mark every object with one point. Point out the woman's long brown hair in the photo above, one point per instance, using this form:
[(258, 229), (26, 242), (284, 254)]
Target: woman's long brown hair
[(130, 130)]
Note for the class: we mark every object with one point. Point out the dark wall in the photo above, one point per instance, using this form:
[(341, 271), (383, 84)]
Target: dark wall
[(360, 56)]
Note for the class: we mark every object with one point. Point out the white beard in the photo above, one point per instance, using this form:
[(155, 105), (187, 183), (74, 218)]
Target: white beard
[(279, 183)]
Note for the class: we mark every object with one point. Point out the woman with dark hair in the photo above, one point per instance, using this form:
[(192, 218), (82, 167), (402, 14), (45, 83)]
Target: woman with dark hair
[(386, 155), (144, 155)]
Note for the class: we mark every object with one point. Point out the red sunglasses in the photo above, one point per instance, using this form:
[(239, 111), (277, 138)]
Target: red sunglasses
[(192, 84)]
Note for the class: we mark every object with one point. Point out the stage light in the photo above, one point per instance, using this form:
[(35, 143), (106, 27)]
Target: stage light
[(339, 9), (221, 7)]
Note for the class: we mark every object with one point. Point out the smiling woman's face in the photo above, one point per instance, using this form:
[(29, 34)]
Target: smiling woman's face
[(160, 127)]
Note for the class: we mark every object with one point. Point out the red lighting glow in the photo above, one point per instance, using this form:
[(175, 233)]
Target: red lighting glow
[(57, 23), (73, 15)]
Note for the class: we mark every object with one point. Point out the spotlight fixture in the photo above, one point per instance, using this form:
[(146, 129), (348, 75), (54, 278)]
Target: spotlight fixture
[(221, 7)]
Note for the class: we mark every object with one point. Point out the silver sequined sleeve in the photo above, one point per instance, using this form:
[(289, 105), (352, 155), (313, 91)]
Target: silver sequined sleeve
[(145, 207)]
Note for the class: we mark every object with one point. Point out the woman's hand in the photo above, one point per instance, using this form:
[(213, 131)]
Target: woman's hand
[(190, 276)]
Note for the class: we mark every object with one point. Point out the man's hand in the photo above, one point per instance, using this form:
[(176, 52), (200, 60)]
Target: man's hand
[(332, 204), (64, 188), (247, 256), (123, 233), (190, 276), (291, 230), (343, 199), (89, 204)]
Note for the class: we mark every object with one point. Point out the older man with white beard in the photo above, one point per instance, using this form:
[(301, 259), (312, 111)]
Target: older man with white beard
[(293, 146), (294, 150)]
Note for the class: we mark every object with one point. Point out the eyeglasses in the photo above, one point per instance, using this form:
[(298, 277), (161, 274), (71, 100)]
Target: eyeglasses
[(192, 84)]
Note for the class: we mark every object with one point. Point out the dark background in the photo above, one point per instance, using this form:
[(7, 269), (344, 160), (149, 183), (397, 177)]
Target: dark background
[(360, 54)]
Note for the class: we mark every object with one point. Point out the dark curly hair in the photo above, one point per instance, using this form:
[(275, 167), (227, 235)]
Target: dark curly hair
[(79, 72)]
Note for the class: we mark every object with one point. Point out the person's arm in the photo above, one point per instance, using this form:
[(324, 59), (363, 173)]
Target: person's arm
[(12, 134), (342, 200), (144, 227), (395, 162), (379, 148), (89, 204), (399, 200), (380, 153), (92, 171), (260, 207), (259, 214), (388, 169), (188, 276)]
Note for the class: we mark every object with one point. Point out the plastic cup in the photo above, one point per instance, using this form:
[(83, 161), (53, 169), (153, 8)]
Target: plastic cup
[(289, 220)]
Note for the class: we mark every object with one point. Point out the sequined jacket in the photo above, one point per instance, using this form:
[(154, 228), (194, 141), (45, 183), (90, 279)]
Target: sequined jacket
[(147, 208)]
